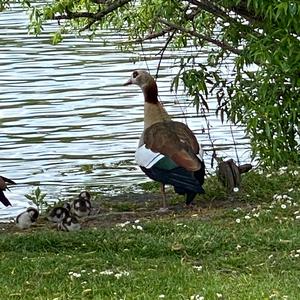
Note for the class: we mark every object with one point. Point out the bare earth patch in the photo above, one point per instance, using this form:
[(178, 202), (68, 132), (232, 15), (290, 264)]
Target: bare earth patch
[(110, 211)]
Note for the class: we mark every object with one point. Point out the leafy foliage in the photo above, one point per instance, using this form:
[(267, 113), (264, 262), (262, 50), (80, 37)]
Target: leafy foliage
[(260, 37), (38, 199)]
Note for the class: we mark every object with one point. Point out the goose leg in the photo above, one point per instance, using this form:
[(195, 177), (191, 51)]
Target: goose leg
[(164, 199), (189, 198)]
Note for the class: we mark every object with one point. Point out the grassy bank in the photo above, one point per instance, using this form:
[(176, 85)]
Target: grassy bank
[(247, 247)]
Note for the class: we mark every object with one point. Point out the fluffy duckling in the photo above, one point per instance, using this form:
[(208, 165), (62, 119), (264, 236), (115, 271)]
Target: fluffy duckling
[(85, 195), (67, 205), (82, 206), (57, 214), (27, 218), (69, 223)]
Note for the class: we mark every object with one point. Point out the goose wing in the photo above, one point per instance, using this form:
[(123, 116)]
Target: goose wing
[(3, 181), (175, 140)]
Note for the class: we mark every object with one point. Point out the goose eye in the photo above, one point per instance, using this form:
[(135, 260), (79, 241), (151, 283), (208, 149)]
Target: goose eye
[(135, 74)]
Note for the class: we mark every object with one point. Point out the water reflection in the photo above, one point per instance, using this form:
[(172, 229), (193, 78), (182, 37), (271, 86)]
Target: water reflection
[(66, 120)]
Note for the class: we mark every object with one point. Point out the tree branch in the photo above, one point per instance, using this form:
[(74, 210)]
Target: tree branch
[(150, 36), (100, 1), (220, 44), (163, 51), (211, 7), (70, 15), (111, 8), (93, 16)]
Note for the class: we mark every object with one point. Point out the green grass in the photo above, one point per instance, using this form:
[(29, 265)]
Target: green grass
[(244, 252)]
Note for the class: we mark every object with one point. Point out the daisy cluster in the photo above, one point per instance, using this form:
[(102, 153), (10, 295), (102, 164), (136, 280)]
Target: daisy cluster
[(199, 297), (74, 275), (283, 203), (198, 268), (276, 296), (282, 171), (134, 225), (295, 253), (253, 214), (117, 275)]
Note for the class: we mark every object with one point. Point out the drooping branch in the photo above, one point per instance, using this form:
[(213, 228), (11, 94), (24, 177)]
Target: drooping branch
[(93, 16), (209, 7), (220, 44), (151, 36), (169, 39), (246, 12), (100, 1), (71, 15), (213, 8)]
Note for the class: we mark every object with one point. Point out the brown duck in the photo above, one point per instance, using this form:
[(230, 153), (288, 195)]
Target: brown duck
[(168, 151), (3, 186)]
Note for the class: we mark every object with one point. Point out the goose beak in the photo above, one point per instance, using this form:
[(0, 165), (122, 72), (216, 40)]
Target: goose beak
[(128, 82)]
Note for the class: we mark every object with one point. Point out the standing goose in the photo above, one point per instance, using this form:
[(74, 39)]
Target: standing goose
[(3, 187), (168, 151)]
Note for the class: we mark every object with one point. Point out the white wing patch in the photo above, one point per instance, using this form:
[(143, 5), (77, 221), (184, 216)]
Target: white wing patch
[(147, 158)]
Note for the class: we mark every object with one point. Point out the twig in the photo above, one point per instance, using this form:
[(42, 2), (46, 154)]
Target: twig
[(150, 36), (209, 7), (93, 16), (100, 1), (162, 51), (77, 15), (212, 7), (209, 137), (234, 143)]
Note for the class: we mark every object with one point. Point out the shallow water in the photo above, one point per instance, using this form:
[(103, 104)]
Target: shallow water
[(67, 122)]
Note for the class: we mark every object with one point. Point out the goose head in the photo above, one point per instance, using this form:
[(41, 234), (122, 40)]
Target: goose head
[(146, 82)]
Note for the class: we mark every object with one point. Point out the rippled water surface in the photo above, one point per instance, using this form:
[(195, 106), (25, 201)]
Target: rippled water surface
[(67, 121)]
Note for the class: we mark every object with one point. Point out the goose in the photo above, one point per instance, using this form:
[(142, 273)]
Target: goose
[(229, 174), (81, 207), (3, 187), (27, 218), (69, 223), (168, 151)]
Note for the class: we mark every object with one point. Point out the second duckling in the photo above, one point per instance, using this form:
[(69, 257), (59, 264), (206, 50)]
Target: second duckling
[(82, 206), (69, 223), (57, 214)]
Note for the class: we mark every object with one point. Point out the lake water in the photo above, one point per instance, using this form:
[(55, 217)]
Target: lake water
[(67, 122)]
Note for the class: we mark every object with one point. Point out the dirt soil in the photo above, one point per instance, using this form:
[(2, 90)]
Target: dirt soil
[(110, 211)]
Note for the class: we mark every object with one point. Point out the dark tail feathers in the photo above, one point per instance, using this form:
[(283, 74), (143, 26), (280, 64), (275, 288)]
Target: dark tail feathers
[(3, 199)]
